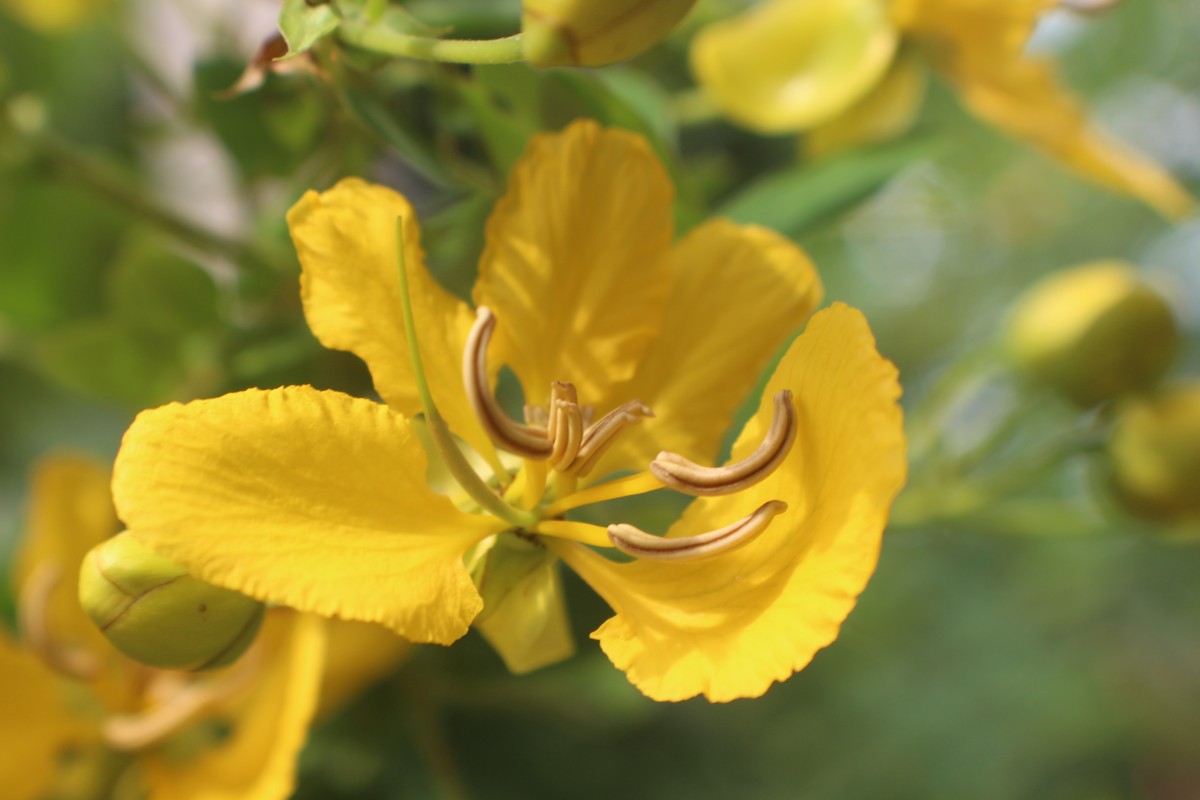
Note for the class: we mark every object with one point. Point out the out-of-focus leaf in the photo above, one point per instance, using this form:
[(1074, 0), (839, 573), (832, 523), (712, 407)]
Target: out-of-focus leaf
[(796, 200), (160, 293), (302, 25), (108, 359), (55, 243), (505, 135), (394, 127), (645, 95)]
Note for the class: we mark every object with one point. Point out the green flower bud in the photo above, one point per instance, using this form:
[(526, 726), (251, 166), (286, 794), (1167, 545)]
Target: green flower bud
[(153, 611), (1154, 455), (1093, 333), (590, 33)]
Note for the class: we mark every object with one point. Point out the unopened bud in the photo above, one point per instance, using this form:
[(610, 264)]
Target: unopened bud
[(590, 33), (1093, 333), (1154, 454), (153, 611)]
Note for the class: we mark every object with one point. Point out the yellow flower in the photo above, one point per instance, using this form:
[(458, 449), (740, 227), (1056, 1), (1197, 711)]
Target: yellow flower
[(324, 502), (1154, 454), (52, 16), (849, 72), (82, 721), (1093, 332), (595, 32)]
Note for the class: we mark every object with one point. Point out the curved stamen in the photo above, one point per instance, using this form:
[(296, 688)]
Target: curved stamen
[(508, 434), (600, 436), (34, 618), (182, 705), (691, 478), (637, 542)]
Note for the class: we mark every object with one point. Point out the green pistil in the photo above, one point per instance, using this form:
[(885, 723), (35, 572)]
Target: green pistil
[(443, 439)]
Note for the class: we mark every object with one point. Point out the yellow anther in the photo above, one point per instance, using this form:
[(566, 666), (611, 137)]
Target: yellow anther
[(691, 478), (637, 542)]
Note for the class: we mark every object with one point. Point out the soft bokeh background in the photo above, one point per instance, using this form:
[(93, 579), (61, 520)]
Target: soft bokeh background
[(1045, 646)]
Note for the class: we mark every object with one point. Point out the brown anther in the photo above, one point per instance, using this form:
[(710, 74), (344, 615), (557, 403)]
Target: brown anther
[(600, 437), (34, 618), (691, 478), (515, 437), (636, 542)]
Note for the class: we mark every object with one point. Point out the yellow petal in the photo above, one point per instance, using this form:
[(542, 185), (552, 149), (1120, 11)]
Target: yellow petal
[(314, 500), (267, 722), (1025, 99), (37, 727), (737, 293), (787, 65), (70, 511), (980, 26), (574, 261), (729, 626), (346, 241), (358, 654), (888, 110), (979, 44)]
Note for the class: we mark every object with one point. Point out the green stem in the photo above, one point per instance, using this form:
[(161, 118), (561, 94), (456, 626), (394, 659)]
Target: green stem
[(443, 439), (379, 39), (101, 178)]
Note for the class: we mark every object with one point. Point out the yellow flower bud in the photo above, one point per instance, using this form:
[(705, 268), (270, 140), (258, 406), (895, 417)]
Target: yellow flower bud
[(153, 611), (590, 33), (1154, 454), (1094, 332)]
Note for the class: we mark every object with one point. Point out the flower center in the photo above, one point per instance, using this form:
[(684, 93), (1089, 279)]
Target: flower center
[(563, 437)]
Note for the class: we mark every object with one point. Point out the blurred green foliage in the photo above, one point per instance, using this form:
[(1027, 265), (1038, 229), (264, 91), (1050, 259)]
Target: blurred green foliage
[(989, 658)]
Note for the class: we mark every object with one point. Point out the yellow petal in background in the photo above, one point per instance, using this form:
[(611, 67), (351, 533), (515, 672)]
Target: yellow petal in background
[(887, 111), (787, 65), (38, 726), (737, 293), (358, 654), (574, 263), (314, 500), (729, 626), (346, 241), (70, 511), (1026, 99), (267, 721)]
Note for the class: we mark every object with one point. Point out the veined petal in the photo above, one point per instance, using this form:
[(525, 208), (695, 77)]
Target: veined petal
[(787, 65), (1026, 99), (737, 293), (70, 512), (574, 263), (729, 626), (268, 722), (314, 500), (346, 241), (38, 726), (358, 654)]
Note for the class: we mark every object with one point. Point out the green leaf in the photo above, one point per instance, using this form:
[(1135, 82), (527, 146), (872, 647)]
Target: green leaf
[(302, 25), (798, 199), (156, 292)]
